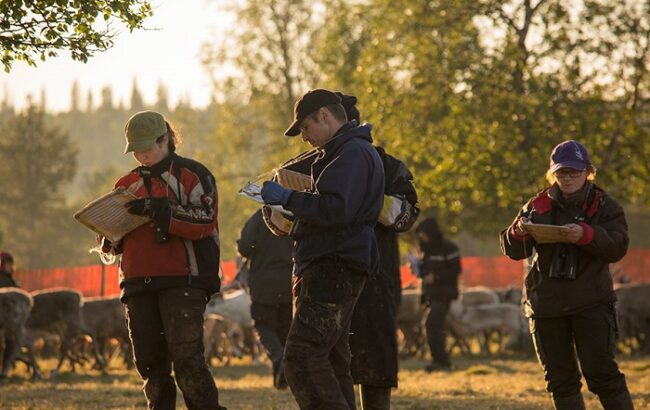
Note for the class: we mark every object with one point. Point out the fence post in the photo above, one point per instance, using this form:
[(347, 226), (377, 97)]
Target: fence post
[(103, 279)]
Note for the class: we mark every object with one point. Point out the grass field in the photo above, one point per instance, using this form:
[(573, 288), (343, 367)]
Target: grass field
[(506, 383)]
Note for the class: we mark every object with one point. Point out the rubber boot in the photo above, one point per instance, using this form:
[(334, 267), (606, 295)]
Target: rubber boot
[(374, 397), (575, 402)]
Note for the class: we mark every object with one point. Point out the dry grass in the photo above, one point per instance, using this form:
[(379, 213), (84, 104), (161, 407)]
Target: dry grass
[(506, 383)]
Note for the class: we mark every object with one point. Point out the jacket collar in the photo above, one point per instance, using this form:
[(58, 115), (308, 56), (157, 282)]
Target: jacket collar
[(160, 167), (589, 199)]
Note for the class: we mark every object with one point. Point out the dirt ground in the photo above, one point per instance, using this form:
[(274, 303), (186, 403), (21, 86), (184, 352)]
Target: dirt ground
[(505, 383)]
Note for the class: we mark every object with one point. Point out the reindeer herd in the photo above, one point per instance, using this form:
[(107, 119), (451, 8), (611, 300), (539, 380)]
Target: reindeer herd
[(93, 330)]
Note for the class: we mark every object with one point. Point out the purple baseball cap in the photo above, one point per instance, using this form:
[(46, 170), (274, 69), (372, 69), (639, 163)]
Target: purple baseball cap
[(569, 154)]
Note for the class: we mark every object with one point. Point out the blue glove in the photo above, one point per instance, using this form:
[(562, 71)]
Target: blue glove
[(275, 194)]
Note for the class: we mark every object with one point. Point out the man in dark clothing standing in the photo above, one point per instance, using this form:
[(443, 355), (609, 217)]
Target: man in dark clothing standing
[(440, 269), (269, 281), (7, 270), (335, 247)]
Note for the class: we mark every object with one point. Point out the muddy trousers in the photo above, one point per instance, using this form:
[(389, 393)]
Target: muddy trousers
[(589, 337), (166, 329), (317, 353)]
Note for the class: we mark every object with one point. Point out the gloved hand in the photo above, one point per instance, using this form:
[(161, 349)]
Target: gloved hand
[(275, 194), (146, 206)]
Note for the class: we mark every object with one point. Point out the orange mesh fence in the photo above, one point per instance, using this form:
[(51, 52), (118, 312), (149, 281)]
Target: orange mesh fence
[(88, 279), (500, 271), (495, 272)]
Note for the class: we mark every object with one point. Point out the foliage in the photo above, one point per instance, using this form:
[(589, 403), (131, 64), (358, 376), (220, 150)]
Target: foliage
[(474, 95), (38, 29), (36, 163)]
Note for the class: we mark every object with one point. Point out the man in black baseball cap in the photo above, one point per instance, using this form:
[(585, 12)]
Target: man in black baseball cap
[(309, 103), (335, 247)]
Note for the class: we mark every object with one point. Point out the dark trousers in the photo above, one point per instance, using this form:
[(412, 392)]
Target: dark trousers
[(317, 353), (591, 335), (272, 323), (435, 325), (373, 334), (166, 329)]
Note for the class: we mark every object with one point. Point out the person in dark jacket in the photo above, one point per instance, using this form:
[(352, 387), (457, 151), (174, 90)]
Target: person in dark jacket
[(7, 270), (439, 268), (373, 331), (169, 266), (569, 296), (269, 281), (335, 247)]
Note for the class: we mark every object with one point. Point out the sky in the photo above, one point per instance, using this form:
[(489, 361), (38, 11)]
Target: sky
[(168, 53)]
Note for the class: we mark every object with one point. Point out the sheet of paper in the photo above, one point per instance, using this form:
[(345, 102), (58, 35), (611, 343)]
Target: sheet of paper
[(108, 216), (545, 233), (253, 191)]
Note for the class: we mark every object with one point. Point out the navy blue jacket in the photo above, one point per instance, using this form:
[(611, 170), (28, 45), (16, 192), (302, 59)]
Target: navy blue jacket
[(269, 276), (336, 219)]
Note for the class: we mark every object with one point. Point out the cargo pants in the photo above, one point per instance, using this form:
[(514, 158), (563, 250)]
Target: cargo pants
[(588, 337), (166, 329), (317, 352)]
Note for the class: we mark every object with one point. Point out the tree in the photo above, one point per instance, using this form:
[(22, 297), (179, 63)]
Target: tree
[(36, 163), (75, 96), (137, 103), (38, 29), (274, 53), (474, 102), (162, 99)]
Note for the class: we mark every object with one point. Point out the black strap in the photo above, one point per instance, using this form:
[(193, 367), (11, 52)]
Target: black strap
[(145, 173)]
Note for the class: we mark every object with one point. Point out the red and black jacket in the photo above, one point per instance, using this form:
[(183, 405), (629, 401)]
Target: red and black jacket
[(605, 241), (190, 255)]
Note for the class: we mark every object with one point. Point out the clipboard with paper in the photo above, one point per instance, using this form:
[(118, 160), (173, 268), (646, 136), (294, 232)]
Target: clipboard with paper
[(543, 233), (108, 215)]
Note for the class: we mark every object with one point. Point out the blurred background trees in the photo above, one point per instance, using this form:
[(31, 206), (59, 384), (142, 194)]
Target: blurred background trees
[(472, 95)]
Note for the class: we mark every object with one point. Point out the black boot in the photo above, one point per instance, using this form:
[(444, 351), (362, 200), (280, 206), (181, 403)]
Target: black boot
[(279, 381), (575, 402), (622, 401), (374, 397)]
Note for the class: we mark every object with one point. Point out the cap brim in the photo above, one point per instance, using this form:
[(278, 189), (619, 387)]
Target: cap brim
[(294, 128), (139, 146), (580, 166)]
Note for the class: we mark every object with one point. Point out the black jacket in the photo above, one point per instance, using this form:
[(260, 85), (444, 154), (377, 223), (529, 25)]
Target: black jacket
[(6, 280), (442, 260), (605, 241), (269, 276), (373, 341), (336, 219)]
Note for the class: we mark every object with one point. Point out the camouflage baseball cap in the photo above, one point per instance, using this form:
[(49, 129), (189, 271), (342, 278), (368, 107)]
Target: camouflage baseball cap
[(143, 129)]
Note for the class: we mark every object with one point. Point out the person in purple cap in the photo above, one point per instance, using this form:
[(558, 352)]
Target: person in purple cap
[(569, 297), (335, 247)]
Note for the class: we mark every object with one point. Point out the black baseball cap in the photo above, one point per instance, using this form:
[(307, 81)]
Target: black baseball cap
[(309, 103)]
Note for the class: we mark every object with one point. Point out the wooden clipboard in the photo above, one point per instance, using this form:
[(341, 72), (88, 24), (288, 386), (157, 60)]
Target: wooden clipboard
[(543, 233), (109, 217)]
